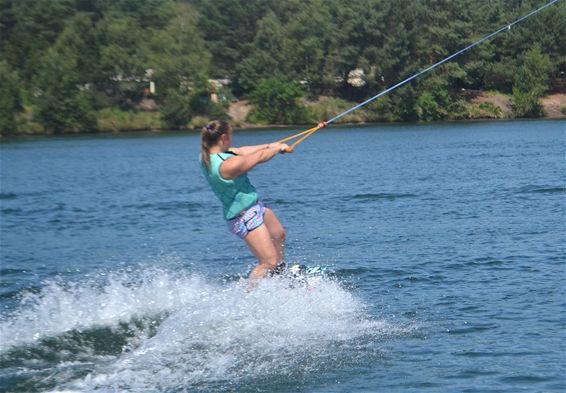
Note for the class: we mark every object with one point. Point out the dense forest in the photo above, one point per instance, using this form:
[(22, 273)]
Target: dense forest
[(91, 65)]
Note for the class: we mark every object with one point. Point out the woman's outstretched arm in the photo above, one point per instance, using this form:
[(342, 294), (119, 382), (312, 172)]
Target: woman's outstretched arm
[(247, 150), (242, 163)]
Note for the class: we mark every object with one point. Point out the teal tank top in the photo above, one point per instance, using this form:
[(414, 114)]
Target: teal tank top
[(236, 194)]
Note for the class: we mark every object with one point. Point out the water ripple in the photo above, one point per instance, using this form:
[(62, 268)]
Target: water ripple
[(379, 196), (538, 189)]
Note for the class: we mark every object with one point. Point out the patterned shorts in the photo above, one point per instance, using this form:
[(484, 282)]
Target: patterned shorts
[(247, 221)]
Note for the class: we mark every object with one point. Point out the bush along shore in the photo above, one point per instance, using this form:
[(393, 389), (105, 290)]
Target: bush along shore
[(244, 114), (98, 66)]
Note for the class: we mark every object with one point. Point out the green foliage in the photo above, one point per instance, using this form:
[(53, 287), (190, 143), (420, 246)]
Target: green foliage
[(10, 98), (29, 28), (381, 110), (63, 104), (181, 63), (177, 53), (64, 52), (327, 107), (151, 14), (229, 27), (309, 33), (124, 51), (177, 111), (277, 102), (25, 123), (268, 57), (428, 109), (61, 89), (77, 42), (436, 101), (180, 107), (114, 119), (485, 110), (499, 76), (531, 83), (526, 103)]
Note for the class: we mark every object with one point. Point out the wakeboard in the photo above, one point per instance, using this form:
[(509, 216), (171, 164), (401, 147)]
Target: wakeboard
[(301, 275)]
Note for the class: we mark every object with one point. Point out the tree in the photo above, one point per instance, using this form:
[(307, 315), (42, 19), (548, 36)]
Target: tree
[(181, 65), (178, 55), (277, 101), (176, 111), (78, 41), (62, 95), (104, 48), (28, 31), (63, 103), (10, 98), (308, 34), (531, 83), (229, 28), (123, 53), (268, 56)]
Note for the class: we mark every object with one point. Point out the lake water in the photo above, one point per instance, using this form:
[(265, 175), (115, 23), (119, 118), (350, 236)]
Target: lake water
[(446, 242)]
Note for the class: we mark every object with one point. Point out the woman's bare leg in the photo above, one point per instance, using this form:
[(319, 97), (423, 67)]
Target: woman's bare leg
[(261, 245), (267, 243), (277, 233)]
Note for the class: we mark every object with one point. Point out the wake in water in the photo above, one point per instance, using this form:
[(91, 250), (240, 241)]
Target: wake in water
[(168, 331)]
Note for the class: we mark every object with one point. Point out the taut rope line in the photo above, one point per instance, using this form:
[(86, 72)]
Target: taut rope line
[(309, 132)]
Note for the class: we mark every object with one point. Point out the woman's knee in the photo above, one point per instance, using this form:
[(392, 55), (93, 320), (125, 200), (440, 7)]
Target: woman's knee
[(274, 226), (280, 235), (269, 262)]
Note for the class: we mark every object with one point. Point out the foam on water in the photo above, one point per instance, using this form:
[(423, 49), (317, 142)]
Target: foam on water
[(65, 306), (212, 333)]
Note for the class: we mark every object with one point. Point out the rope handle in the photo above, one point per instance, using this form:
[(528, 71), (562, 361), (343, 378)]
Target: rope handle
[(305, 134)]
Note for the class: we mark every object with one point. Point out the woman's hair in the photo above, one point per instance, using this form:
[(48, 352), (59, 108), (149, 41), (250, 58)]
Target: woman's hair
[(210, 136)]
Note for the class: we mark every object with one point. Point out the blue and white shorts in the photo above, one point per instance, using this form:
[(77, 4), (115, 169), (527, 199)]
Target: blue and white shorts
[(247, 221)]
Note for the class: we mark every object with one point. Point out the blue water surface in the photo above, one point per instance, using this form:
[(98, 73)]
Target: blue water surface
[(446, 242)]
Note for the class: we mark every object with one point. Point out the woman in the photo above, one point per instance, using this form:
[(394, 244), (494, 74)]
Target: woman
[(226, 169)]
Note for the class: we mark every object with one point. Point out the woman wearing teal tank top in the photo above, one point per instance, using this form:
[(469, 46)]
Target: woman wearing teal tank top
[(225, 168)]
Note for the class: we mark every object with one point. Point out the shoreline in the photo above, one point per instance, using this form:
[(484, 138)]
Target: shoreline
[(256, 127), (553, 105)]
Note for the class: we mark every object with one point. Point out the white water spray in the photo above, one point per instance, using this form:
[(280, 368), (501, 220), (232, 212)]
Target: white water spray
[(213, 335)]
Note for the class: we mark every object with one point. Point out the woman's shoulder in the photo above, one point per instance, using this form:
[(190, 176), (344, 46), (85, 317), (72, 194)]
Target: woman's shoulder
[(225, 155)]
